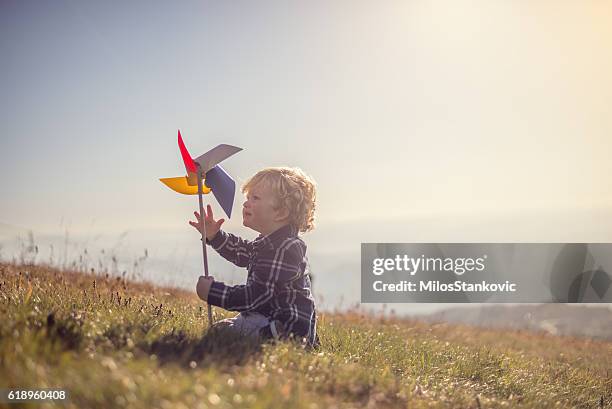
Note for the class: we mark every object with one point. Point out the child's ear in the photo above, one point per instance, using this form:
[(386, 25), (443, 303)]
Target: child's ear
[(283, 214)]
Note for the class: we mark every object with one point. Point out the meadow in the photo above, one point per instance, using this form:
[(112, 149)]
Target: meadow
[(111, 341)]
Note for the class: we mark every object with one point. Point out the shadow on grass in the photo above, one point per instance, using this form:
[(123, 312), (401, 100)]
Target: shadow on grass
[(219, 346)]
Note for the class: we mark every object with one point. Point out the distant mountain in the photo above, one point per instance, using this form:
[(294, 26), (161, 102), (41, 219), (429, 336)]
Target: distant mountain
[(556, 319)]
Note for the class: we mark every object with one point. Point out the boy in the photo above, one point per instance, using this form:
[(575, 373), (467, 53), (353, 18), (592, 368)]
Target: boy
[(276, 300)]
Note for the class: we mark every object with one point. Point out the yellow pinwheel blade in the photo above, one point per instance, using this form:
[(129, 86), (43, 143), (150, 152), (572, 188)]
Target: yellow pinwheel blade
[(181, 185)]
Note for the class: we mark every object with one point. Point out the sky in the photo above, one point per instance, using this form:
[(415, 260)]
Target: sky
[(419, 120)]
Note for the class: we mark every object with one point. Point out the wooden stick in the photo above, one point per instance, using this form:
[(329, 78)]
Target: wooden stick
[(204, 254)]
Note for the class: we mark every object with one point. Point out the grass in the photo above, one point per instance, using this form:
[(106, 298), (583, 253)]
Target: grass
[(113, 342)]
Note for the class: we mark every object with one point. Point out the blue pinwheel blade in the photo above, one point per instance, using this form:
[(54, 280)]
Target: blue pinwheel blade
[(223, 187)]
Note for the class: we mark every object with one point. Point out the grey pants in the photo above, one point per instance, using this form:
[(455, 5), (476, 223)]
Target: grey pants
[(253, 324), (247, 324)]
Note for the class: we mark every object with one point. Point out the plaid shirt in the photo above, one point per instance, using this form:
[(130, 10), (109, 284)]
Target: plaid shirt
[(278, 282)]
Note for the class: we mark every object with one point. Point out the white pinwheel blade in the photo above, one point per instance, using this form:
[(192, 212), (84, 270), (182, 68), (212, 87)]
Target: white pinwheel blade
[(215, 156)]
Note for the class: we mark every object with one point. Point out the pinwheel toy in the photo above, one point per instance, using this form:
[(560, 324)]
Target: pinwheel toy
[(204, 174)]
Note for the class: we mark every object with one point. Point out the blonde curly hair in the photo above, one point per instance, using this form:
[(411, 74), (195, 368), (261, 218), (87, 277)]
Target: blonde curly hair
[(294, 190)]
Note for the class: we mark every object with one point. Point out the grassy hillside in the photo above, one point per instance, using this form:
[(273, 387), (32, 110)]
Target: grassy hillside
[(116, 343), (593, 321)]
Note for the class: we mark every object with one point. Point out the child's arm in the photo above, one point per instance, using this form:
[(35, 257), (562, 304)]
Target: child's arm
[(230, 247), (273, 266)]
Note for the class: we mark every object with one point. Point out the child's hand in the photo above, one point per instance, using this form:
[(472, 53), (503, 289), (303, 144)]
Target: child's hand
[(203, 287), (212, 226)]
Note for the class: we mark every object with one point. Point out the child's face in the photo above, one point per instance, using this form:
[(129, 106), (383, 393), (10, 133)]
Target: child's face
[(258, 211)]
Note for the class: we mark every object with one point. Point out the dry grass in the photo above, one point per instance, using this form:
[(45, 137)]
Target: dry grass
[(117, 343)]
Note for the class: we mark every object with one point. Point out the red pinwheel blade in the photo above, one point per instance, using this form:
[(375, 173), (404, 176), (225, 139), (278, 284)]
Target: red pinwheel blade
[(189, 163)]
